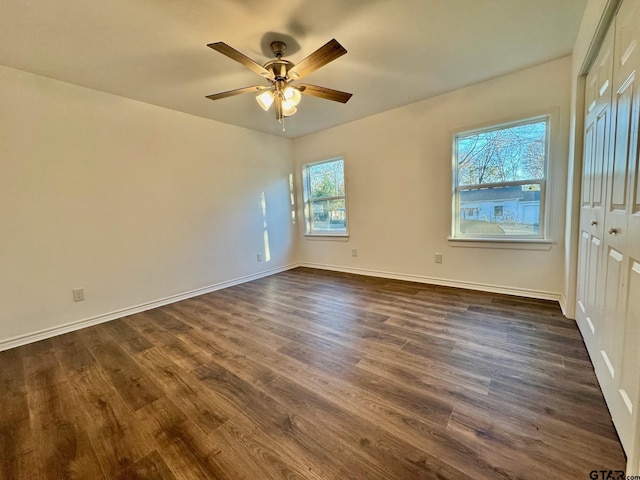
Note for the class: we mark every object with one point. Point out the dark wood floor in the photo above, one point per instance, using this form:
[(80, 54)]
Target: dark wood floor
[(311, 375)]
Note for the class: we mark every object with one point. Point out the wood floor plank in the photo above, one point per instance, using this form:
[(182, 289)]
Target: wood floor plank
[(187, 452), (316, 375), (183, 387), (357, 434), (151, 467), (259, 454), (171, 345), (270, 415), (127, 337), (131, 383), (115, 436), (534, 434), (193, 316), (17, 448), (73, 355), (64, 448)]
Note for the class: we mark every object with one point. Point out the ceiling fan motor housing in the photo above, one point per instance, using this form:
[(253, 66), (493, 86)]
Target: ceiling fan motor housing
[(279, 68)]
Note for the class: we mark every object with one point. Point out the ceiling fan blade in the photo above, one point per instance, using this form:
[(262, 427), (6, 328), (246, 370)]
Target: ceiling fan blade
[(233, 54), (237, 91), (325, 54), (323, 92)]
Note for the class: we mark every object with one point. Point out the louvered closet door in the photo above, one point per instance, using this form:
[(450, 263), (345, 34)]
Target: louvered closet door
[(596, 158), (619, 367)]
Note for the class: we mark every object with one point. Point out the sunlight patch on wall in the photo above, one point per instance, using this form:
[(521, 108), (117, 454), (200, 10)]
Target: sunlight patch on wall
[(265, 235), (292, 198)]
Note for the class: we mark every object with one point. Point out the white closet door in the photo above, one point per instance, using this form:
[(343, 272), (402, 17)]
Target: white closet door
[(596, 159), (618, 369)]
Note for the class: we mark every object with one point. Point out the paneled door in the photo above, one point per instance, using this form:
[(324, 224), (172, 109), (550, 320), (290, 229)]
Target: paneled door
[(618, 368), (594, 181)]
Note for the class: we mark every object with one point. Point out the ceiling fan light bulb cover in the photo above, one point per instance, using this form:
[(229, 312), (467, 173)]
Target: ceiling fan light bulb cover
[(265, 99), (292, 95), (288, 109)]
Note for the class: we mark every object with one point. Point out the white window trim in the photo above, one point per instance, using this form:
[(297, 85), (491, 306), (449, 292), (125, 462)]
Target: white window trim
[(306, 188), (540, 241)]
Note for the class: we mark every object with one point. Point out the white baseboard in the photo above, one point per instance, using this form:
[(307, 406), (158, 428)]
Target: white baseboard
[(87, 322), (567, 310), (485, 287)]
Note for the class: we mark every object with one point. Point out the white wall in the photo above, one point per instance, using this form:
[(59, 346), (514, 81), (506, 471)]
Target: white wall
[(132, 202), (398, 174)]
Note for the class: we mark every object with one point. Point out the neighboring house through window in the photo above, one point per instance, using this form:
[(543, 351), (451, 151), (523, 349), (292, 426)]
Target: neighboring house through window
[(324, 198), (500, 177)]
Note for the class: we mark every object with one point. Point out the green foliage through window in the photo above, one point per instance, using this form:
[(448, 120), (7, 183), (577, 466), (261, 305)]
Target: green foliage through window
[(327, 179)]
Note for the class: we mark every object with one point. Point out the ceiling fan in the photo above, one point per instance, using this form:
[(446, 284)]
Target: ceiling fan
[(281, 74)]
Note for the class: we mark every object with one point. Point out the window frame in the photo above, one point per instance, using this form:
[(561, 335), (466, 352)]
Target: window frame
[(307, 200), (543, 229)]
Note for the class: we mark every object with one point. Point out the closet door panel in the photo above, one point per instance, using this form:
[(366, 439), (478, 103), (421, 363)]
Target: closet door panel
[(629, 387), (629, 378), (623, 137), (598, 177), (593, 197), (609, 338), (621, 323)]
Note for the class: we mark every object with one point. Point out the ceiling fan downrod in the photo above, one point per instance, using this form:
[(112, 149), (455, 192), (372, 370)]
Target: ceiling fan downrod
[(278, 48)]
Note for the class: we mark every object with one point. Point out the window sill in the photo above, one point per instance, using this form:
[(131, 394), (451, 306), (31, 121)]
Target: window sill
[(336, 237), (502, 243)]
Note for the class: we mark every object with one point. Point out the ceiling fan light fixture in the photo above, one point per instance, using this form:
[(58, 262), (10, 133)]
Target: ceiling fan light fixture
[(265, 99), (292, 95), (280, 73)]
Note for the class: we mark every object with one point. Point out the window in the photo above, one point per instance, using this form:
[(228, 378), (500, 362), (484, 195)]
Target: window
[(499, 176), (324, 198)]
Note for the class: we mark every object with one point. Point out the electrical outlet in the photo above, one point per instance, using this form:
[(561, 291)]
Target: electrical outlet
[(259, 257), (354, 252), (437, 257), (78, 294)]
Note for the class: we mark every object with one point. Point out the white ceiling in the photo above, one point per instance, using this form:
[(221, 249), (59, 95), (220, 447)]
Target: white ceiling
[(399, 51)]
